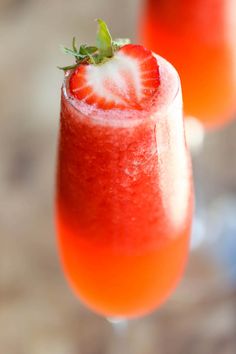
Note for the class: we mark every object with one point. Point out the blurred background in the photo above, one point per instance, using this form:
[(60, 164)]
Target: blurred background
[(38, 312)]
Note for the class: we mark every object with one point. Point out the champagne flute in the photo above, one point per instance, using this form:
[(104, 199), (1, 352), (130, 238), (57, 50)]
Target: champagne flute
[(124, 198)]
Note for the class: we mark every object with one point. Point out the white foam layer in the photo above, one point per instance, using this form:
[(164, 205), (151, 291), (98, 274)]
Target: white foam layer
[(168, 93)]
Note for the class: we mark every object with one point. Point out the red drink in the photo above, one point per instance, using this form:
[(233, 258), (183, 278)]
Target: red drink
[(198, 37), (124, 200)]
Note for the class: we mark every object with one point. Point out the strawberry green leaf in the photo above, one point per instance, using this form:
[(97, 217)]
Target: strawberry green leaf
[(84, 49), (72, 52), (85, 53), (91, 49), (74, 45), (120, 42), (69, 67), (104, 40)]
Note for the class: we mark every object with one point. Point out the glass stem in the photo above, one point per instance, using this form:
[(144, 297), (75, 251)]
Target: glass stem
[(120, 343)]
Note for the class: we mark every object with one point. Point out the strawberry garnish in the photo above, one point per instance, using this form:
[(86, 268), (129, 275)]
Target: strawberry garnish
[(113, 75)]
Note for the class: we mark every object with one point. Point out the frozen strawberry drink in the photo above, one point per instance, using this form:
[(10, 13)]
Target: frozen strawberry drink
[(124, 191)]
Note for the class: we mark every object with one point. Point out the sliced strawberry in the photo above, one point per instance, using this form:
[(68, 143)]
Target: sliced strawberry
[(127, 81)]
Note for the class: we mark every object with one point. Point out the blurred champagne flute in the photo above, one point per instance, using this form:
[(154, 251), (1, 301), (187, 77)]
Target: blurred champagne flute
[(199, 38)]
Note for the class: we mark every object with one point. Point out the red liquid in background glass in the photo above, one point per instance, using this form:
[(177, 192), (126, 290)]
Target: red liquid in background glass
[(124, 202), (199, 38)]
